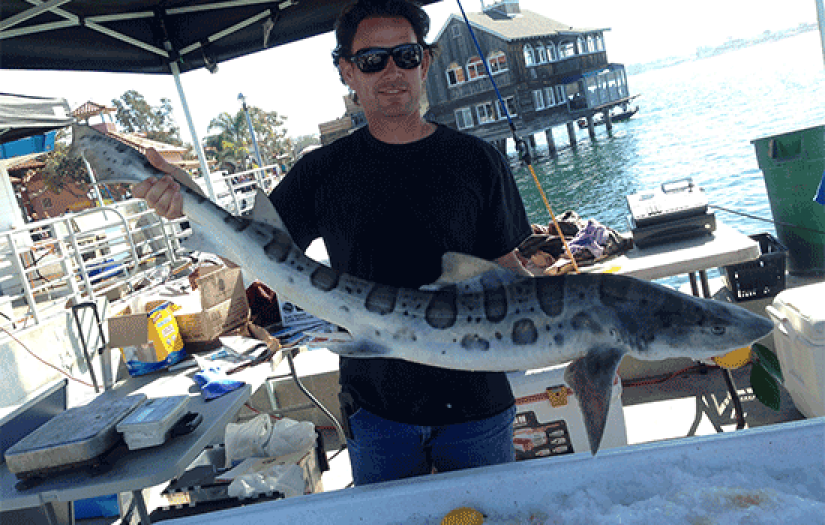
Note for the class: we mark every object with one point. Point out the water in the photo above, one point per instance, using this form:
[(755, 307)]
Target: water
[(697, 120)]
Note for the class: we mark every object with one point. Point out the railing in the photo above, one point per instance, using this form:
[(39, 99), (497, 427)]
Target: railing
[(236, 192), (107, 251)]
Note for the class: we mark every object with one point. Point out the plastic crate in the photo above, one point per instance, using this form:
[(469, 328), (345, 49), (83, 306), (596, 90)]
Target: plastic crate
[(763, 277)]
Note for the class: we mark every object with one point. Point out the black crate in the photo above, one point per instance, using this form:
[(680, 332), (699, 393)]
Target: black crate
[(764, 277)]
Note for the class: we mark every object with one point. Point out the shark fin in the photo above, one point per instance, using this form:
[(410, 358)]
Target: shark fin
[(264, 211), (460, 268), (591, 377), (359, 348)]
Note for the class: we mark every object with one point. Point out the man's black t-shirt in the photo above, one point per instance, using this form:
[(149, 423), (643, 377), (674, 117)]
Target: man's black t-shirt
[(387, 213)]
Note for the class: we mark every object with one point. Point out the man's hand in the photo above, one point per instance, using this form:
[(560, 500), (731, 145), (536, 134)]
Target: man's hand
[(162, 195)]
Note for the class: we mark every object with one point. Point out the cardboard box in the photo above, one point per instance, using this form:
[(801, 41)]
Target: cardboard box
[(148, 340), (548, 419), (217, 306)]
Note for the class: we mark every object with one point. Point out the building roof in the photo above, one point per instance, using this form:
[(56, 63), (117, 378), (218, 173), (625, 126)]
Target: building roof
[(91, 109), (526, 24), (142, 143)]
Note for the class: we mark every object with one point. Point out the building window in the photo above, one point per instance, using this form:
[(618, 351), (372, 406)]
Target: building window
[(47, 203), (485, 113), (455, 31), (498, 62), (464, 118), (475, 68), (541, 54), (552, 55), (581, 44), (591, 44), (511, 108), (560, 95), (599, 42), (538, 100), (549, 97), (529, 55), (567, 49), (455, 75)]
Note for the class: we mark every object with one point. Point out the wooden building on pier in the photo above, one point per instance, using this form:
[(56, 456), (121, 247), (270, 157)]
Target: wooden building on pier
[(548, 73)]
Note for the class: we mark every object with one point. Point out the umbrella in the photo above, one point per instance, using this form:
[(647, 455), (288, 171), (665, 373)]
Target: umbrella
[(153, 36)]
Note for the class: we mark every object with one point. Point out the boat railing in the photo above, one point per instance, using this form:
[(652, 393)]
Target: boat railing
[(49, 264), (108, 251), (235, 192)]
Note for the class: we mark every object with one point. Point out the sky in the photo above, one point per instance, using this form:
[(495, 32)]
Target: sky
[(298, 80)]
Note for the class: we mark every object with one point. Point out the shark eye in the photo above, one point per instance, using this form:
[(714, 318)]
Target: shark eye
[(717, 330)]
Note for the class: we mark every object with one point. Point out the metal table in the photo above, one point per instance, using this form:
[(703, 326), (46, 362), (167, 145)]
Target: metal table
[(691, 256), (137, 469)]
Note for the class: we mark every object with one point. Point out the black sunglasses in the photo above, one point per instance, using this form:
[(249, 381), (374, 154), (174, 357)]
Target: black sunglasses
[(374, 59)]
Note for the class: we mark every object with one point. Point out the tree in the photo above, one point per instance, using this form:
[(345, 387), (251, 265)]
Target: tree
[(227, 144), (233, 143), (134, 114), (299, 143), (63, 168)]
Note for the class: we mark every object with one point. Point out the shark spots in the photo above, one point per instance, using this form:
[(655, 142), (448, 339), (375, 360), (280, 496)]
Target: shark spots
[(324, 278), (525, 332), (381, 299), (475, 342), (238, 223), (585, 322), (441, 311), (550, 294), (558, 339), (495, 304), (279, 247)]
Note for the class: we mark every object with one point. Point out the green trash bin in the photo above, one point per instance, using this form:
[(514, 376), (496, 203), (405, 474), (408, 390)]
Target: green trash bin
[(793, 165)]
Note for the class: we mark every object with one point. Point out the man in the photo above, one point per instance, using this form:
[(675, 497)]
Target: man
[(389, 201)]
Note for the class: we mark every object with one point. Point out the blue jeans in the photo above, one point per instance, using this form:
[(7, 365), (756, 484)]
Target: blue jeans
[(383, 450)]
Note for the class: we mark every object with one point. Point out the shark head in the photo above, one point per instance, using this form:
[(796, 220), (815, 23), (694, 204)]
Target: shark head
[(111, 160), (656, 322)]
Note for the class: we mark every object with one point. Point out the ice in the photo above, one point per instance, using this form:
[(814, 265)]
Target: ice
[(682, 493)]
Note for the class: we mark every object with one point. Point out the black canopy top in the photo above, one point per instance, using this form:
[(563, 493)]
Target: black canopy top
[(145, 36)]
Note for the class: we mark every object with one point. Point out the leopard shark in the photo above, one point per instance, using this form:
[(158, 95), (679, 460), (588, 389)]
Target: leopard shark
[(477, 316)]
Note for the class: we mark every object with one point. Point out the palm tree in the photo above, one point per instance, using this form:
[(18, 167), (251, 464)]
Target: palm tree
[(229, 142)]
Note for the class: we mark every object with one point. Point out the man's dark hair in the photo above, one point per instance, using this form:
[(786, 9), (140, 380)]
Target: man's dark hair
[(356, 12)]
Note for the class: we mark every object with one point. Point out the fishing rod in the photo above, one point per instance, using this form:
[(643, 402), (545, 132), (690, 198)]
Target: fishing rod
[(775, 223), (521, 145)]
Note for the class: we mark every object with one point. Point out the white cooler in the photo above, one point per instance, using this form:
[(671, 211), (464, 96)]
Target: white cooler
[(799, 337), (548, 419)]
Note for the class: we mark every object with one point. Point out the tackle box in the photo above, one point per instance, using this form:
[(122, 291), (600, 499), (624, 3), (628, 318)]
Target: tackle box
[(150, 424), (72, 438)]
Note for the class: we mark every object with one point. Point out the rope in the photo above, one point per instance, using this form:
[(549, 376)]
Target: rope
[(26, 348), (521, 145)]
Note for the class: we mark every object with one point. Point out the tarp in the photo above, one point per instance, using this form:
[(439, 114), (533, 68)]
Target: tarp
[(145, 36), (23, 116)]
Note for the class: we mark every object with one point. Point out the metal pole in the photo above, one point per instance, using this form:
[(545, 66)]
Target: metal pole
[(254, 140), (820, 15), (195, 142)]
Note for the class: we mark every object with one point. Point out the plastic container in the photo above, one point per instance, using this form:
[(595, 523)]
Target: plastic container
[(793, 165), (35, 144), (548, 419), (799, 338), (764, 277), (149, 425)]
